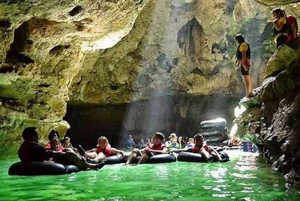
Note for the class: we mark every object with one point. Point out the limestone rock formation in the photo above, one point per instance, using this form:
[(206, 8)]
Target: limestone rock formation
[(273, 123), (43, 49), (277, 2)]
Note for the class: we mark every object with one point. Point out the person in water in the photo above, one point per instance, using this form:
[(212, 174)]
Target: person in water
[(152, 149), (31, 151), (202, 148), (53, 134), (181, 144), (280, 27), (56, 145), (172, 143), (243, 58), (142, 144), (67, 143), (102, 151), (130, 144), (190, 143)]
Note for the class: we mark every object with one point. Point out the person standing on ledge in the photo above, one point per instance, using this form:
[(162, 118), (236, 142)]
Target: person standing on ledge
[(280, 27), (243, 58), (292, 21)]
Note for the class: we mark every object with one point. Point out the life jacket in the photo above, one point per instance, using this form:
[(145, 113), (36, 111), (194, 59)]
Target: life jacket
[(48, 145), (170, 144), (106, 151), (156, 147), (239, 54), (291, 20), (285, 29), (196, 148), (173, 145)]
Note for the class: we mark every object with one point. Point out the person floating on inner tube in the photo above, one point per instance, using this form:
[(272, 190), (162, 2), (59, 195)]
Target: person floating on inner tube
[(53, 134), (31, 151), (130, 143), (173, 141), (243, 58), (157, 147), (56, 145), (202, 148), (181, 143), (102, 151), (190, 143)]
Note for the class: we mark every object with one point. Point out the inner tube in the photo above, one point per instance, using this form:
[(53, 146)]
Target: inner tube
[(190, 157), (114, 159), (195, 157), (41, 168), (159, 158)]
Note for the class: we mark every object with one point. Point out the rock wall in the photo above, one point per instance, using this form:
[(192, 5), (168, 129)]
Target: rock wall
[(277, 2), (43, 49), (272, 119), (174, 49)]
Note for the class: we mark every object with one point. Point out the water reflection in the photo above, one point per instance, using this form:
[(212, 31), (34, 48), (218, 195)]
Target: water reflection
[(162, 172)]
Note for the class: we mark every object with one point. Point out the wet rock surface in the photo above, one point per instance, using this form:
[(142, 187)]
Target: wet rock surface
[(274, 123)]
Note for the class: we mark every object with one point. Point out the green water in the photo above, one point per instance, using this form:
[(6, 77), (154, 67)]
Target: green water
[(243, 178)]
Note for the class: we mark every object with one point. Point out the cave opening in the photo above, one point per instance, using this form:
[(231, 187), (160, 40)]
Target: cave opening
[(181, 114)]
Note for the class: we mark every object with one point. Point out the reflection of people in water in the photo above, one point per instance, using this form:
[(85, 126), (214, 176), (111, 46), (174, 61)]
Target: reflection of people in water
[(243, 58)]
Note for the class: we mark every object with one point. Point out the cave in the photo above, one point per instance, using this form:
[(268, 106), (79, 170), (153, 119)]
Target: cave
[(181, 114)]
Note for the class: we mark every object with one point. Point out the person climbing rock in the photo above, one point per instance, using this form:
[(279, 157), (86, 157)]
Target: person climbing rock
[(243, 54)]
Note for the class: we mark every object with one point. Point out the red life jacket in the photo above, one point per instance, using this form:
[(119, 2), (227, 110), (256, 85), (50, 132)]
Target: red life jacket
[(196, 148), (48, 145), (292, 20), (156, 147), (106, 151)]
